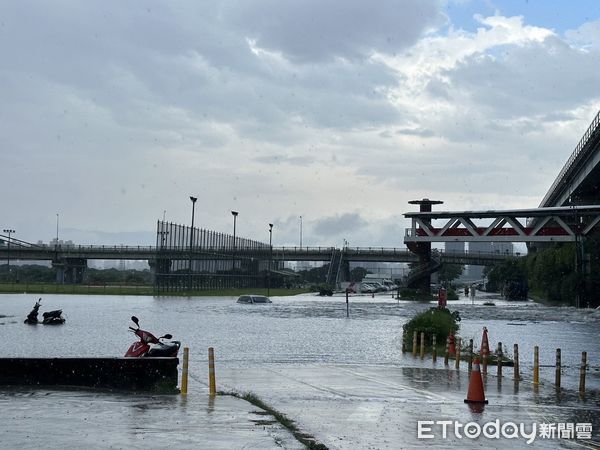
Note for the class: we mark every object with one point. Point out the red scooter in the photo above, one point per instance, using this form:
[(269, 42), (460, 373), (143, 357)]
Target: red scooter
[(149, 345)]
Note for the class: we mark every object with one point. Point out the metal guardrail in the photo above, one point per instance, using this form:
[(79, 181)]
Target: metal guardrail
[(592, 129)]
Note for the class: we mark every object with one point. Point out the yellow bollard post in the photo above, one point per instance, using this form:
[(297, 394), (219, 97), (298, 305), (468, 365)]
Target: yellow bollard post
[(499, 355), (414, 352), (558, 367), (184, 371), (516, 373), (470, 356), (457, 362), (434, 348), (422, 344), (536, 365), (582, 373), (447, 354), (212, 385)]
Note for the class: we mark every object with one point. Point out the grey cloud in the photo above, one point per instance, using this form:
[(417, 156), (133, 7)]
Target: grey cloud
[(318, 30), (138, 62), (333, 226), (285, 159), (528, 81), (423, 132)]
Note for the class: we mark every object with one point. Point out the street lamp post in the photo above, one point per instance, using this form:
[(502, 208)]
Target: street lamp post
[(56, 243), (300, 232), (9, 232), (270, 258), (234, 214), (193, 199)]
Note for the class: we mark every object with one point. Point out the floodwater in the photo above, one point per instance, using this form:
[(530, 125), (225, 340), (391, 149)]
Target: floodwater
[(284, 351)]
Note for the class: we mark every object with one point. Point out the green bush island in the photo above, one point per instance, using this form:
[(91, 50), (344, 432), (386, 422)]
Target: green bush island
[(438, 321)]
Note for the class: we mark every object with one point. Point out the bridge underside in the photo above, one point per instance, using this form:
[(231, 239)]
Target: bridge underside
[(578, 183), (561, 224)]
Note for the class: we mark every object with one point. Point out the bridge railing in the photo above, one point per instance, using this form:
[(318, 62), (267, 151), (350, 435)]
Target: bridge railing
[(277, 251), (592, 129), (95, 248)]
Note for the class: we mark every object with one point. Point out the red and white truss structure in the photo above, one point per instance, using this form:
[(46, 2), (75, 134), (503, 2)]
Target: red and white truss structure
[(559, 224)]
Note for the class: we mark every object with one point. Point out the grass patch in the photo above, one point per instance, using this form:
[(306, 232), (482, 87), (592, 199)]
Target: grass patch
[(304, 438), (108, 289)]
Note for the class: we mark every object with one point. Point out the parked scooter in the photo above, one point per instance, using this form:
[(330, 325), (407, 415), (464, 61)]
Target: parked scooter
[(32, 317), (149, 345), (53, 317), (49, 318)]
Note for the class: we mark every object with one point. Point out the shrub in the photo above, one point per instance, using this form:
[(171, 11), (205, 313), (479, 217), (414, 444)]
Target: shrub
[(436, 321)]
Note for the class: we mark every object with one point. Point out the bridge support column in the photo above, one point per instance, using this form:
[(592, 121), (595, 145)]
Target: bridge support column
[(70, 270), (160, 268), (422, 273)]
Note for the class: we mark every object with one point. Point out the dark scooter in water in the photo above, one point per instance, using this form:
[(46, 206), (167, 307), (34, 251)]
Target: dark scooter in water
[(32, 316), (149, 345), (50, 318), (53, 317)]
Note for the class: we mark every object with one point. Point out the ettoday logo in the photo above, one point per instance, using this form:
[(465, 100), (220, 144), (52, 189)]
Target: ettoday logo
[(430, 429)]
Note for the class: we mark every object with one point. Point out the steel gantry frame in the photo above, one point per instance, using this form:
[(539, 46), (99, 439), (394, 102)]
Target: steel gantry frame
[(558, 224)]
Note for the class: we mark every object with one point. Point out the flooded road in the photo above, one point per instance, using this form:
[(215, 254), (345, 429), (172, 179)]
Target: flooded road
[(331, 374)]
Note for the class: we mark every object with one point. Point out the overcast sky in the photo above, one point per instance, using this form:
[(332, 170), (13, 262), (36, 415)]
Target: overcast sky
[(112, 113)]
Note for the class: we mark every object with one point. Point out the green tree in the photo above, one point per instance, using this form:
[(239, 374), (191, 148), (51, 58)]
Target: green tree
[(449, 273), (358, 273), (315, 275)]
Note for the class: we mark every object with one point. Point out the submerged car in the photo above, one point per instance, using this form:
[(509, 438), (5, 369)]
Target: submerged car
[(251, 299)]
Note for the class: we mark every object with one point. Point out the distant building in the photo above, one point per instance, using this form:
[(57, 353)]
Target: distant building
[(456, 247), (472, 272)]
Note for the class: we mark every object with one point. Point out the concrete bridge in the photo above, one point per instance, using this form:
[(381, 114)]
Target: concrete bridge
[(71, 260)]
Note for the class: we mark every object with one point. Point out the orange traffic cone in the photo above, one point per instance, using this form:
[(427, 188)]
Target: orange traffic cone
[(475, 393), (485, 345)]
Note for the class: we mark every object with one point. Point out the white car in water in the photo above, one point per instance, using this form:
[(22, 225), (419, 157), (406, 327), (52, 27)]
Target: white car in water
[(367, 288), (252, 299)]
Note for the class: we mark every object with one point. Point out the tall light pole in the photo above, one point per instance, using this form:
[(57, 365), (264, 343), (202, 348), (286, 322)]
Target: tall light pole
[(270, 258), (56, 243), (300, 232), (193, 199), (9, 232), (234, 214)]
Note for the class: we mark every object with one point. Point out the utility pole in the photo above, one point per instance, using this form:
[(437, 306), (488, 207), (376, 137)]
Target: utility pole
[(270, 258)]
